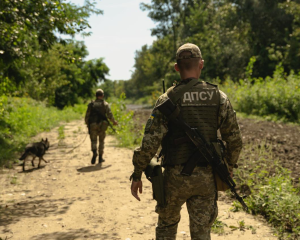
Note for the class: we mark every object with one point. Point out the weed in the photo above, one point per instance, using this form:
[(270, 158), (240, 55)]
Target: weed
[(242, 227), (61, 133), (14, 180), (273, 194), (126, 132), (218, 227)]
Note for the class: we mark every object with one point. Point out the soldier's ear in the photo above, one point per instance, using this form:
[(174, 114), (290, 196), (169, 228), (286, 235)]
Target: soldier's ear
[(46, 139), (176, 67), (201, 64)]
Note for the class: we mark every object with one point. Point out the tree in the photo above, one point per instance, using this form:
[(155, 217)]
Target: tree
[(29, 27)]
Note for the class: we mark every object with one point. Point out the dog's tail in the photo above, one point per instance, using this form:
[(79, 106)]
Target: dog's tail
[(24, 155)]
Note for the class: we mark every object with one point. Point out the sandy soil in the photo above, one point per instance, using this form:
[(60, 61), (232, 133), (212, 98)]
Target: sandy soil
[(70, 199)]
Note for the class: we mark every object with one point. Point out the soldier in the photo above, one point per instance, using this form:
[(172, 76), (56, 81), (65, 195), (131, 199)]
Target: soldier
[(96, 118), (208, 109)]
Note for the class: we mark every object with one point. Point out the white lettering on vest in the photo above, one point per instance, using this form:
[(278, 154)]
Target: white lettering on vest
[(210, 94), (187, 97), (201, 96), (195, 94)]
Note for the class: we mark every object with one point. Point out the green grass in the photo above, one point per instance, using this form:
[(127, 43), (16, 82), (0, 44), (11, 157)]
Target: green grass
[(273, 194), (61, 132), (22, 118), (127, 134), (218, 227)]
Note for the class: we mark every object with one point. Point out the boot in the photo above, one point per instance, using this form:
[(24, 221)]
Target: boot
[(93, 161), (101, 160)]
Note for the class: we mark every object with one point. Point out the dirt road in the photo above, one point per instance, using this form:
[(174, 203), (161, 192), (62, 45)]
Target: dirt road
[(70, 199)]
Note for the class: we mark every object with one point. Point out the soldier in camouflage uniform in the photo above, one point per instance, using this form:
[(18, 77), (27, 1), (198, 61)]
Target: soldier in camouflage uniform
[(96, 118), (209, 110)]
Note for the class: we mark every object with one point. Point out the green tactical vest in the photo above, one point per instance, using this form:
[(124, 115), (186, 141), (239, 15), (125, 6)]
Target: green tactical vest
[(98, 108), (199, 107)]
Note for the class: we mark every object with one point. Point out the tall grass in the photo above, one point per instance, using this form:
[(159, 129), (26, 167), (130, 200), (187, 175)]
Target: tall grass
[(126, 132), (22, 118), (273, 194), (274, 98)]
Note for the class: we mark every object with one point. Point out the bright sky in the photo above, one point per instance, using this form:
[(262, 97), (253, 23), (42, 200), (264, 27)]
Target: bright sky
[(117, 34)]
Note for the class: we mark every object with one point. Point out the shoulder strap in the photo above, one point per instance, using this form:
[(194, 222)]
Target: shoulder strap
[(175, 97)]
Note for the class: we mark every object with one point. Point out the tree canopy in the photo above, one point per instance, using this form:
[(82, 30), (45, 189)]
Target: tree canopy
[(35, 57), (228, 32)]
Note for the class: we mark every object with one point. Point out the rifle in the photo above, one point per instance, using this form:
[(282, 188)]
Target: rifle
[(103, 117), (206, 150)]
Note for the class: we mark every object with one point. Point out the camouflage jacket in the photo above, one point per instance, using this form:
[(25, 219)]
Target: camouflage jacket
[(108, 112), (157, 127)]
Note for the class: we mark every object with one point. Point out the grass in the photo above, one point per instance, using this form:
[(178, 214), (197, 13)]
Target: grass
[(14, 180), (126, 132), (23, 118), (273, 194), (218, 227), (61, 132)]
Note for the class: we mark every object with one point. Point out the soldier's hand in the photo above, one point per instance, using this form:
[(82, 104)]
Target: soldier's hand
[(135, 186), (115, 123)]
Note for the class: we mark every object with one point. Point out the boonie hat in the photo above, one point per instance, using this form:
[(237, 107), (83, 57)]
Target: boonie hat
[(188, 47)]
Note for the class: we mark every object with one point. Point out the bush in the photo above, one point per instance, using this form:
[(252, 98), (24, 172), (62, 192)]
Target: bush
[(275, 98), (126, 132)]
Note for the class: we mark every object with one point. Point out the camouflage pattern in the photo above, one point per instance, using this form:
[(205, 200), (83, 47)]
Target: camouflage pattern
[(106, 107), (188, 47), (157, 127), (96, 128), (95, 132), (198, 192)]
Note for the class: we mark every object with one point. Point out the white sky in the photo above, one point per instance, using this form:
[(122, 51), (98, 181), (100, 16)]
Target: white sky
[(117, 34)]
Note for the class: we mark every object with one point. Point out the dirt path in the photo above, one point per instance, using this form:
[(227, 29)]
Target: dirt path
[(70, 199)]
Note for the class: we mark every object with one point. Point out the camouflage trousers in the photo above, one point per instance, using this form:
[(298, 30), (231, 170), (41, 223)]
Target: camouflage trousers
[(95, 132), (198, 191)]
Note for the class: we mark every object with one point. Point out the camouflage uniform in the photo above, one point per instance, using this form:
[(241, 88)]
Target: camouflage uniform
[(97, 129), (198, 191)]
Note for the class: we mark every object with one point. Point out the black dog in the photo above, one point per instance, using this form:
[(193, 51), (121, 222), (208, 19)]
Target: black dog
[(37, 149)]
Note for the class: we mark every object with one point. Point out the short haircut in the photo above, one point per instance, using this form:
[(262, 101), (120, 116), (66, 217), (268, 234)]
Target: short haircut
[(187, 64)]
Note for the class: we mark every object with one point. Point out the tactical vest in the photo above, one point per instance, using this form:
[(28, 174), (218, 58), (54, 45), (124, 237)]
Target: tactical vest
[(199, 107), (97, 111)]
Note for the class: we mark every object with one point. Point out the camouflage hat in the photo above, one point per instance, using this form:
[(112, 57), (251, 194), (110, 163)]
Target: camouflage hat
[(99, 92), (188, 47)]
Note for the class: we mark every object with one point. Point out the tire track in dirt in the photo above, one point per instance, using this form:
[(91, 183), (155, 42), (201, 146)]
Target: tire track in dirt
[(70, 199)]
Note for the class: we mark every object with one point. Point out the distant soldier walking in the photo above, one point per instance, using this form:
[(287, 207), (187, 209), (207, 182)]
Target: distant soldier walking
[(96, 118)]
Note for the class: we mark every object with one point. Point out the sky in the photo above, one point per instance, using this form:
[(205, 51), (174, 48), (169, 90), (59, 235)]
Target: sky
[(117, 34)]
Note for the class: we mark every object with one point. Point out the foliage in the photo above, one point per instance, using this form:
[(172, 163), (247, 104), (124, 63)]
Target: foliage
[(126, 132), (22, 118), (276, 97), (218, 227), (29, 27), (229, 33), (273, 194), (36, 60)]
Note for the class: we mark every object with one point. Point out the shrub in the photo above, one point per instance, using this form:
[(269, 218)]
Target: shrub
[(275, 98)]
